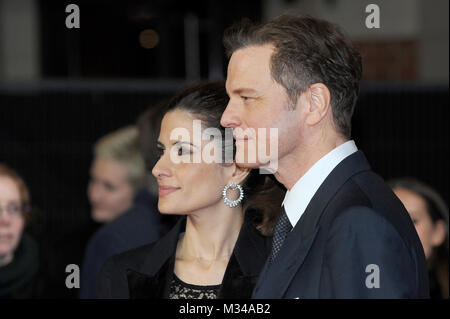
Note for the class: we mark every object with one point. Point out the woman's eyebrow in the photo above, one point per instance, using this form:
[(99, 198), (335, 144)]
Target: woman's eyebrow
[(158, 143), (182, 142)]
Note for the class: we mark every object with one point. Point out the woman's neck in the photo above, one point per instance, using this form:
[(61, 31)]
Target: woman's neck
[(211, 234)]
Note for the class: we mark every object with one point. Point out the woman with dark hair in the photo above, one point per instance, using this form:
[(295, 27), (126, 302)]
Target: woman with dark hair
[(19, 257), (217, 250), (429, 213)]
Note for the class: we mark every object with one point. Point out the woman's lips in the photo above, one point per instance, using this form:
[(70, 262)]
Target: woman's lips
[(166, 190)]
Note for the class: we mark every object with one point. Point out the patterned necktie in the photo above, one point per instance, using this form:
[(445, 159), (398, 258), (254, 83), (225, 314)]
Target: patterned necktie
[(281, 230)]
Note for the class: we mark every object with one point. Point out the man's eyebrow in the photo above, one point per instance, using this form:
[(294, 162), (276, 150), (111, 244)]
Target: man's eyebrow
[(244, 91)]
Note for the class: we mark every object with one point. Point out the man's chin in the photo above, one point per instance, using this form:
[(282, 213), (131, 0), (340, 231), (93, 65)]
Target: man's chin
[(265, 168)]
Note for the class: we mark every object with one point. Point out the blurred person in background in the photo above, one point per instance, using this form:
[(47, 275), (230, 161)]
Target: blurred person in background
[(19, 253), (117, 174), (429, 214), (121, 197)]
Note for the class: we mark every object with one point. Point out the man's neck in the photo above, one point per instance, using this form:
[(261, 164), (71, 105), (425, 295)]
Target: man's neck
[(295, 164)]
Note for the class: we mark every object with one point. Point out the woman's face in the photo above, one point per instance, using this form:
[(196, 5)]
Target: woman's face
[(184, 185), (11, 223), (429, 232), (110, 192)]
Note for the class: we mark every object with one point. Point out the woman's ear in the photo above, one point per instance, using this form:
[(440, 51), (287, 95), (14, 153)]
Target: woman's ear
[(439, 233), (239, 174)]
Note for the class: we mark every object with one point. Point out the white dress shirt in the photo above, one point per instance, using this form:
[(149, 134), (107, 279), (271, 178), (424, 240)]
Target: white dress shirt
[(298, 197)]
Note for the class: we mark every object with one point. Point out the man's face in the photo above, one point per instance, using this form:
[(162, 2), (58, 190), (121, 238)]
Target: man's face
[(257, 101)]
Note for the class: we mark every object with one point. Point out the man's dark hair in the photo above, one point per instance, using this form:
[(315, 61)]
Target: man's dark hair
[(306, 51)]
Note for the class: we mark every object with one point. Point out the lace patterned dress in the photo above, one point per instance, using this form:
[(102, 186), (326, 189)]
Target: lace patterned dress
[(182, 290)]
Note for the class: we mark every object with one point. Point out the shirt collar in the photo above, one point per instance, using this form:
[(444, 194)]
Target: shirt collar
[(298, 197)]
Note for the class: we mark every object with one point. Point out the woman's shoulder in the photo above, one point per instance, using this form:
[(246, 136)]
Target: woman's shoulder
[(131, 258), (143, 257)]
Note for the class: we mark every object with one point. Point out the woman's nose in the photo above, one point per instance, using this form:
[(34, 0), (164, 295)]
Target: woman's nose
[(161, 168)]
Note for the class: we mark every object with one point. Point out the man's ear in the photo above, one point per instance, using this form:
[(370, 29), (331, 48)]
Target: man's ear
[(239, 174), (318, 97)]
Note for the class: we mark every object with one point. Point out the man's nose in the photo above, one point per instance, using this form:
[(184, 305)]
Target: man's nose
[(231, 117)]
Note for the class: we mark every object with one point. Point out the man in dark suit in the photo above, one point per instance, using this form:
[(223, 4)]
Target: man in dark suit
[(341, 232)]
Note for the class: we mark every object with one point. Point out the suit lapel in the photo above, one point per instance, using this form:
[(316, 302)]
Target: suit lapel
[(276, 278)]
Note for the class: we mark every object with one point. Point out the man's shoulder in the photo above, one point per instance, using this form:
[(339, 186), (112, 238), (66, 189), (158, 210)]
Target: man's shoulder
[(366, 202)]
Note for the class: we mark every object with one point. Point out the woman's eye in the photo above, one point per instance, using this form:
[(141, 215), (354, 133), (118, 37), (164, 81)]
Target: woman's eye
[(182, 151)]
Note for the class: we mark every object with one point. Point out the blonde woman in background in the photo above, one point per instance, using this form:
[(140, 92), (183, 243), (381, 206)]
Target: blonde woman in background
[(119, 197), (117, 174)]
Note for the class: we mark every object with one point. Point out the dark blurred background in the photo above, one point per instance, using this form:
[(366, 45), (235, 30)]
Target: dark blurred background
[(61, 89)]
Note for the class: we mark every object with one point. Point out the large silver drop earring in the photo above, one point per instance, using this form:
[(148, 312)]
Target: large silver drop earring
[(229, 202)]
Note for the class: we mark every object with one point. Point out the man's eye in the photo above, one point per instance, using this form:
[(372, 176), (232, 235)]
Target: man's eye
[(247, 98)]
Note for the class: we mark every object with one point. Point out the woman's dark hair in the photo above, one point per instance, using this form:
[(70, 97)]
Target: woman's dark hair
[(263, 195)]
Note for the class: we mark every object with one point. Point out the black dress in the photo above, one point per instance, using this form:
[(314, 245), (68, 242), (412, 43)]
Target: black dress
[(148, 271), (183, 290)]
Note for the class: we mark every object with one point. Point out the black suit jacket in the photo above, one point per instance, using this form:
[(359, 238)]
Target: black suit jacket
[(353, 229), (147, 271)]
